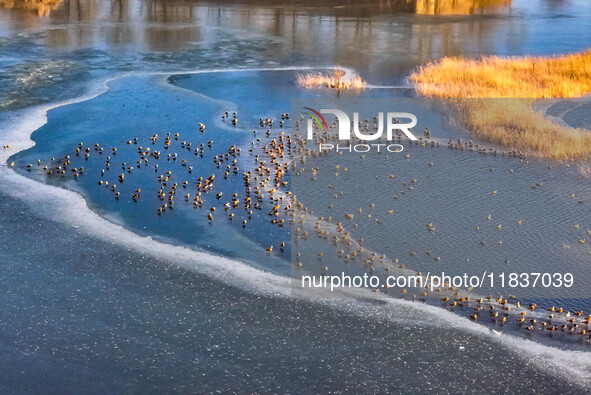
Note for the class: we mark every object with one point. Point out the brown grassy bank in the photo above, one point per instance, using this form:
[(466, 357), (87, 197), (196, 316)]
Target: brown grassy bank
[(513, 123), (337, 79)]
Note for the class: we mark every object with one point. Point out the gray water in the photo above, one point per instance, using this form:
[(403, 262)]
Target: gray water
[(83, 312)]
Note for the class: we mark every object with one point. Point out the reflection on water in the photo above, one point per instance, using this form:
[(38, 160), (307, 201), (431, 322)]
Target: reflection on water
[(352, 34), (39, 7), (377, 37), (102, 340), (159, 25), (443, 7), (172, 25), (167, 11), (382, 40)]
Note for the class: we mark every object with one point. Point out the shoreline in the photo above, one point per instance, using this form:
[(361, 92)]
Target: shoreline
[(542, 107), (307, 219), (210, 265), (493, 95)]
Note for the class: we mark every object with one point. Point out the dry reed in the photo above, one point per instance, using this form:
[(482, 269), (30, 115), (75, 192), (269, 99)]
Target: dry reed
[(335, 80), (513, 123)]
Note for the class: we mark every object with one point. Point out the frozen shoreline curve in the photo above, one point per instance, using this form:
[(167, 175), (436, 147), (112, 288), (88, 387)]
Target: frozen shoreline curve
[(72, 209)]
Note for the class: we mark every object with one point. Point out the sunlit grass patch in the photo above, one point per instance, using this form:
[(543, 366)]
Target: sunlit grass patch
[(335, 80), (513, 123), (527, 77)]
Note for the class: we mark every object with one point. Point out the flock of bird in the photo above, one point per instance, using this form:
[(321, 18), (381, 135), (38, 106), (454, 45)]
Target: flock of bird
[(503, 312), (262, 181), (347, 249), (265, 188), (304, 149)]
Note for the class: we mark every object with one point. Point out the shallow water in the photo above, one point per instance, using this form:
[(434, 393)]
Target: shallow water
[(67, 126), (382, 42), (532, 227), (84, 312)]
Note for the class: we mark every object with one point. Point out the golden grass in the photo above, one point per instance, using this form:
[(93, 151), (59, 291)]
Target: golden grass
[(530, 77), (513, 123), (450, 7), (335, 80)]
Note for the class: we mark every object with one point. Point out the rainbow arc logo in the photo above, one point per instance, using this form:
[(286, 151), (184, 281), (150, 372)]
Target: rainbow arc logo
[(387, 126), (317, 117)]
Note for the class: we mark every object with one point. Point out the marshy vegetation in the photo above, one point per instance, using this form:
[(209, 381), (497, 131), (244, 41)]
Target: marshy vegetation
[(338, 79), (494, 77), (513, 123)]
